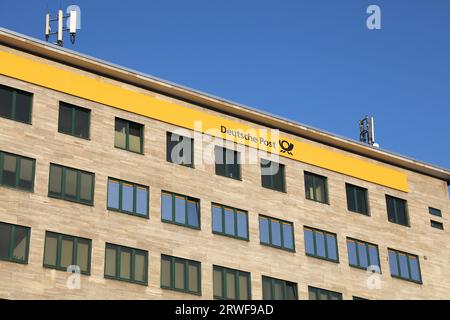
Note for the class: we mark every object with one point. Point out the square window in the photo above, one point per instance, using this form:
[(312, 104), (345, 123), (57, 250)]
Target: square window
[(272, 175), (127, 197), (230, 221), (397, 212), (129, 135), (277, 289), (15, 104), (276, 233), (227, 163), (404, 265), (316, 187), (17, 171), (321, 244), (126, 264), (71, 184), (357, 199), (62, 251), (180, 209), (74, 120), (180, 275), (180, 150)]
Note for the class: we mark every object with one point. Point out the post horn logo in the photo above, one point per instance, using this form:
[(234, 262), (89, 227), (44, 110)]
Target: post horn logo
[(286, 146)]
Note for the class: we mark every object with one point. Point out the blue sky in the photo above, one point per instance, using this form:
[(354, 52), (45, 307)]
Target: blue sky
[(311, 61)]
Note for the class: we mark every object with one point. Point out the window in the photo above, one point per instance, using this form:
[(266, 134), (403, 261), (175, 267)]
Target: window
[(397, 211), (14, 242), (359, 298), (17, 171), (181, 210), (404, 265), (74, 120), (15, 104), (273, 175), (362, 254), (231, 284), (180, 150), (228, 163), (316, 187), (62, 251), (180, 275), (230, 222), (357, 199), (437, 225), (129, 136), (127, 197), (322, 294), (435, 212), (71, 184), (276, 289), (321, 244), (126, 264), (276, 233)]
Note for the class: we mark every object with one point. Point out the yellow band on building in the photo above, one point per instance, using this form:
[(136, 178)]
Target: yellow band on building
[(100, 91)]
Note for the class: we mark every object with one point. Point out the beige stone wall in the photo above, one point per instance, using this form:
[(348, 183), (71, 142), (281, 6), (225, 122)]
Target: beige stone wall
[(42, 142)]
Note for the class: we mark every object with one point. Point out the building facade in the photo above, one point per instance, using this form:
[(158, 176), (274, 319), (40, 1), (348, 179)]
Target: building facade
[(91, 178)]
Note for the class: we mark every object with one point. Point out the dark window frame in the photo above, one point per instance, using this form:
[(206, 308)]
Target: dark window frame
[(236, 159), (284, 284), (315, 177), (62, 196), (437, 224), (74, 240), (325, 233), (168, 159), (135, 187), (73, 110), (186, 264), (235, 213), (435, 212), (12, 233), (127, 135), (186, 199), (237, 274), (118, 248), (367, 245), (18, 166), (396, 213), (408, 255), (271, 186), (14, 93), (354, 189), (318, 293), (270, 244)]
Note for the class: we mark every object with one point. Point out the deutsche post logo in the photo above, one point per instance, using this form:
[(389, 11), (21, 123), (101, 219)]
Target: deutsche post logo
[(286, 146)]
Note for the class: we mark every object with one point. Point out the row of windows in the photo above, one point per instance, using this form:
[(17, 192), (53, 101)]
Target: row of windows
[(131, 265), (78, 186), (19, 172), (127, 264)]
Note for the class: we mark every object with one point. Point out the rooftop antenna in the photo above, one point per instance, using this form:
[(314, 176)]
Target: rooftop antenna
[(367, 131), (71, 19)]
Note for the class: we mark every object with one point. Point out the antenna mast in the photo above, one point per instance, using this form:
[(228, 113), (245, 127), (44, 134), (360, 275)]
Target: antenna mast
[(72, 29), (367, 131)]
